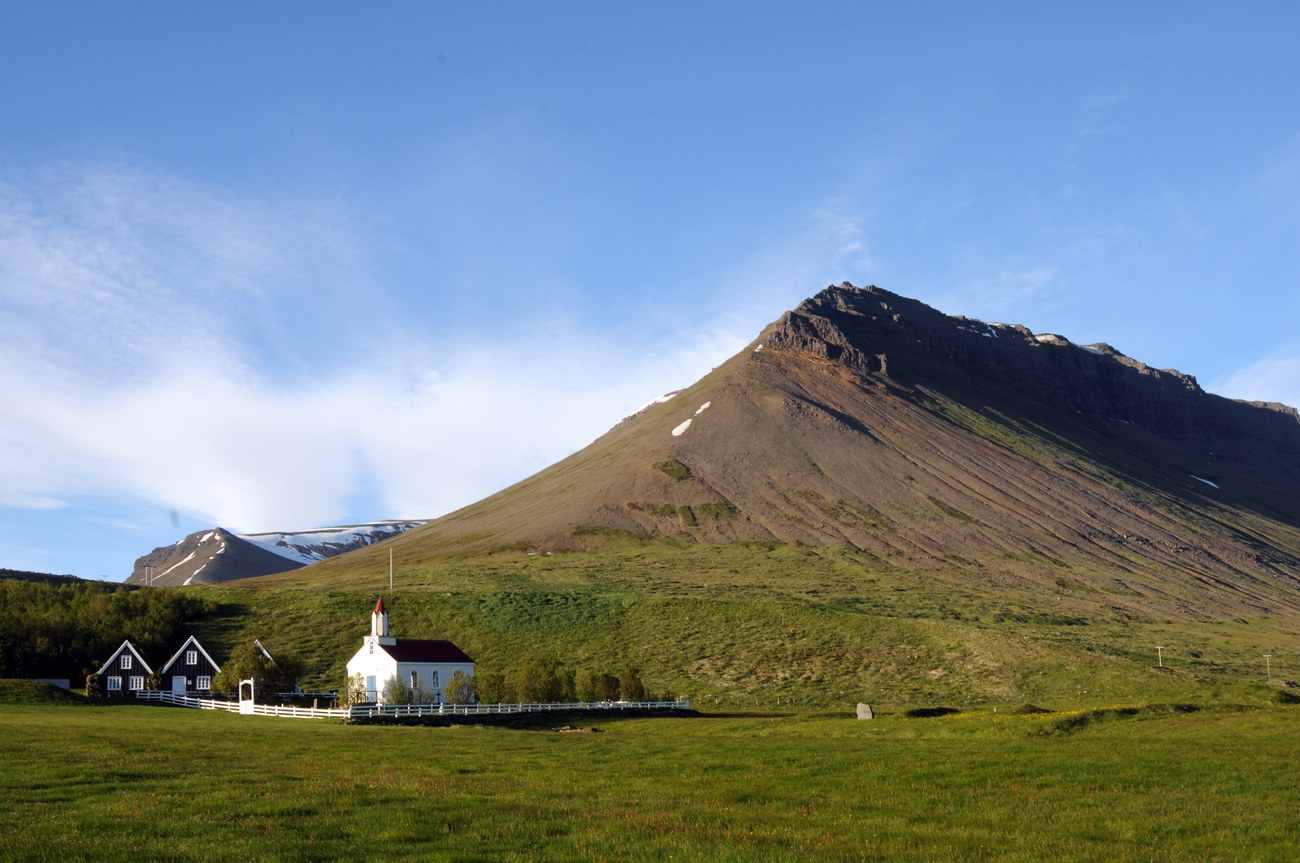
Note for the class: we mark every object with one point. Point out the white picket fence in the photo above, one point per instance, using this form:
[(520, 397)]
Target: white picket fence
[(368, 711)]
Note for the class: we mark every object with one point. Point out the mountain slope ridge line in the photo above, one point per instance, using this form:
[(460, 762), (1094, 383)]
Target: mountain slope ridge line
[(873, 422)]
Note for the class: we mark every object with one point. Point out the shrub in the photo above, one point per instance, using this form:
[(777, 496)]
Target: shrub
[(587, 686), (630, 681), (490, 687), (92, 686), (609, 687), (268, 675), (545, 680), (459, 689), (354, 692), (397, 692)]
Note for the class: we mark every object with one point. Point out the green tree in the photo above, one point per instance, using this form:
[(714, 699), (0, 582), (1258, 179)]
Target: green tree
[(459, 689), (609, 687), (354, 691), (92, 686), (587, 685), (397, 692), (633, 688), (490, 687), (545, 680), (269, 676)]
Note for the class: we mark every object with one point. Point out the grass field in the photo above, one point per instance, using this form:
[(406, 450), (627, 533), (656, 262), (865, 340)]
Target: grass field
[(124, 781)]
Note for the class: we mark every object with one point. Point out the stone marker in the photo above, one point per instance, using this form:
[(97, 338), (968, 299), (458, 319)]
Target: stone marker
[(864, 712)]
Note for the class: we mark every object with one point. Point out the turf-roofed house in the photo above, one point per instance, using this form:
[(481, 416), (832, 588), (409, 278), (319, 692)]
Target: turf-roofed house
[(425, 665), (189, 671), (125, 671)]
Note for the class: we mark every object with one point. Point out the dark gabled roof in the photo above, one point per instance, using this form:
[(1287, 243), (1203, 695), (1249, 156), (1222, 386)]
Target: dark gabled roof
[(420, 650), (178, 653), (126, 645)]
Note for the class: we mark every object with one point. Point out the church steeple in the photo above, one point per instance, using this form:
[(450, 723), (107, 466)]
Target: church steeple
[(379, 620)]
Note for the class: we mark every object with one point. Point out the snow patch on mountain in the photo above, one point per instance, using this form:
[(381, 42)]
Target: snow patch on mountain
[(310, 546)]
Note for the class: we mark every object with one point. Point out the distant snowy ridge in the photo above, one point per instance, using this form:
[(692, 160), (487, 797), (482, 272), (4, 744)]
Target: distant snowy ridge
[(310, 546)]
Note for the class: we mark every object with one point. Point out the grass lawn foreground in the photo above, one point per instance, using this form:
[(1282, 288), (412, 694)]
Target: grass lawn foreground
[(126, 781)]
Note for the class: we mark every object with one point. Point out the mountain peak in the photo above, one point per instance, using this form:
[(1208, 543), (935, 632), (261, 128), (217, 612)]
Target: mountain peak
[(870, 421)]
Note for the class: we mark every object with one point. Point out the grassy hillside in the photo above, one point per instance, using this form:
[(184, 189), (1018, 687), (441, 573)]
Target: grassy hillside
[(1134, 784), (762, 624)]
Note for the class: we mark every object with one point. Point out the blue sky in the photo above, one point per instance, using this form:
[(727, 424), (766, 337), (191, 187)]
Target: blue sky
[(274, 266)]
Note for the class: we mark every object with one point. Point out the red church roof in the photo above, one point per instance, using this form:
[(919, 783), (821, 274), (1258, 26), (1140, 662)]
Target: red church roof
[(421, 650), (379, 606)]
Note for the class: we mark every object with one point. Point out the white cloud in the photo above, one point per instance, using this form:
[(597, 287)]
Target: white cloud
[(1272, 379), (132, 365)]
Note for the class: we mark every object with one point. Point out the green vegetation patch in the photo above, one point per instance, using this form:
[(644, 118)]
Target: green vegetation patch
[(674, 469)]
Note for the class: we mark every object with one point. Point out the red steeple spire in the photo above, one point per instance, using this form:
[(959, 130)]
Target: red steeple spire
[(379, 606)]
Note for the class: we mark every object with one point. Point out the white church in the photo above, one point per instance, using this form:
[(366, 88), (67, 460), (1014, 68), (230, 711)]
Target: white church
[(424, 665)]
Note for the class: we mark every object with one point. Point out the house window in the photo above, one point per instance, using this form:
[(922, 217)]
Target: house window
[(415, 680), (191, 657), (114, 684), (126, 661), (136, 683), (434, 680), (204, 683)]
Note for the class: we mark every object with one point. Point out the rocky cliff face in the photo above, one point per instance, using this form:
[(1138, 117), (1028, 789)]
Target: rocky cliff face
[(876, 331)]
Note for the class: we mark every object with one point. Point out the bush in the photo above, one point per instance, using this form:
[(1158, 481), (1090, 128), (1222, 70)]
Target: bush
[(490, 687), (354, 692), (268, 675), (546, 681), (630, 681), (397, 692), (459, 689), (586, 686), (92, 686), (610, 688)]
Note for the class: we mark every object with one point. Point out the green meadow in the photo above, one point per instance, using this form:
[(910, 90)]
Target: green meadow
[(109, 781), (767, 625)]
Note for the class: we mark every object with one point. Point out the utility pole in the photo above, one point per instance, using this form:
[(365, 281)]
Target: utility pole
[(1268, 666), (1161, 655), (390, 573)]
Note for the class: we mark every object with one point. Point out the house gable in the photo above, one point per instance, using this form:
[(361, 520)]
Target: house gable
[(180, 655), (181, 676), (114, 662)]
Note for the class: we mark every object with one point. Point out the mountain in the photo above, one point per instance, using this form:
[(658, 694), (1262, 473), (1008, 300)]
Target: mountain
[(209, 556), (1008, 460)]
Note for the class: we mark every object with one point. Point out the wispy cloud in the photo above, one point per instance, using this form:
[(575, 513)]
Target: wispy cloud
[(134, 363), (1272, 379)]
